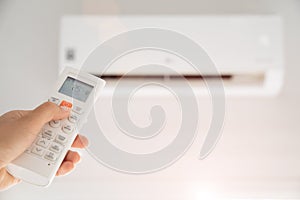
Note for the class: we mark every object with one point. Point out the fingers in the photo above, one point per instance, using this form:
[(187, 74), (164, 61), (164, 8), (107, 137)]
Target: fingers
[(46, 112), (72, 156), (65, 168), (49, 111), (80, 142), (68, 164)]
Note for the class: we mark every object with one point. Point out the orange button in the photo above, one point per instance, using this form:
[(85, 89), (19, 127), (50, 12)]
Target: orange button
[(66, 104)]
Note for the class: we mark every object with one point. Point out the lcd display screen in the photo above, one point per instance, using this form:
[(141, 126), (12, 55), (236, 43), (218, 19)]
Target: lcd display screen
[(76, 89)]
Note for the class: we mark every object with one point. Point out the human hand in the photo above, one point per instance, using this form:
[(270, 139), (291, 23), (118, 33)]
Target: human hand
[(19, 129)]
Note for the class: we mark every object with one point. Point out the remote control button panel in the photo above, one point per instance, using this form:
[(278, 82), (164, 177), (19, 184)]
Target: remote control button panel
[(50, 142)]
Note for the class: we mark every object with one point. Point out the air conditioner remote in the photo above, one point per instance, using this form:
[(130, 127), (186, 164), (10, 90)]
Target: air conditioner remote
[(40, 162)]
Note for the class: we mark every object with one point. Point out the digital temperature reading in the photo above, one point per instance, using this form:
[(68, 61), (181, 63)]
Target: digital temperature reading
[(76, 89)]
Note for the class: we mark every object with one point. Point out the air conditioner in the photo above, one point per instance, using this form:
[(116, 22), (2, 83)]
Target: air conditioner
[(247, 50)]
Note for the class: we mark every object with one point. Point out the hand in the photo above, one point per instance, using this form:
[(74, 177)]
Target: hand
[(19, 129)]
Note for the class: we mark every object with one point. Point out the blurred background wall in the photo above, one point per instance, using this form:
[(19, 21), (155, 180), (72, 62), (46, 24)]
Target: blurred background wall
[(260, 133)]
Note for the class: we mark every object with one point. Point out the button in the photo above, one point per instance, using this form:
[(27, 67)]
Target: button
[(43, 142), (66, 104), (50, 156), (37, 150), (54, 123), (61, 139), (73, 118), (78, 109), (67, 128), (56, 147), (54, 100), (48, 133), (28, 150)]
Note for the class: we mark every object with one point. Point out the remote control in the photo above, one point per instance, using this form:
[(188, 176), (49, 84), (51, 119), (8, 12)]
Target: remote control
[(39, 163)]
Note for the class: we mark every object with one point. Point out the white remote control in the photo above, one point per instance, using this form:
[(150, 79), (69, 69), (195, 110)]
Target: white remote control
[(39, 163)]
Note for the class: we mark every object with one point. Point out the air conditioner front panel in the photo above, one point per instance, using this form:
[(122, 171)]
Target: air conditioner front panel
[(240, 46)]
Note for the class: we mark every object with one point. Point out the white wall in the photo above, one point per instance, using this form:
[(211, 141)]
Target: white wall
[(260, 147)]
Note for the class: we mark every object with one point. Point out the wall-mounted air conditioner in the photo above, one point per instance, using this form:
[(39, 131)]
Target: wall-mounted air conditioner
[(247, 50)]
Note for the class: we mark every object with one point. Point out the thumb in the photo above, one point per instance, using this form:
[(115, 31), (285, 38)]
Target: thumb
[(49, 111), (46, 112)]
